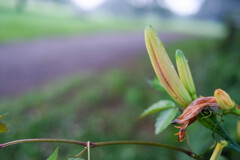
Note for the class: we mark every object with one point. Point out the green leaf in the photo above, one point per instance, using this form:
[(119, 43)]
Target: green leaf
[(159, 106), (54, 156), (156, 84), (3, 128), (164, 119)]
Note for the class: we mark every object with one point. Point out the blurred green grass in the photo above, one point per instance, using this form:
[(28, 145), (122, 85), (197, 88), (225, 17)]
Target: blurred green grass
[(24, 25), (98, 107), (46, 19), (53, 19)]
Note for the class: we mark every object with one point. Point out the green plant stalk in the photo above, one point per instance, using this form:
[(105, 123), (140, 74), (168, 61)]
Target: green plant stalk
[(231, 143), (88, 148), (234, 110), (218, 150), (211, 123), (98, 144)]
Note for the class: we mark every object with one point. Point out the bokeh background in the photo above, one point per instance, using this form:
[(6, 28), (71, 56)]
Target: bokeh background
[(78, 69)]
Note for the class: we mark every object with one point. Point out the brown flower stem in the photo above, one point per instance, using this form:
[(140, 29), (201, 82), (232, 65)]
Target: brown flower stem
[(98, 144), (42, 140)]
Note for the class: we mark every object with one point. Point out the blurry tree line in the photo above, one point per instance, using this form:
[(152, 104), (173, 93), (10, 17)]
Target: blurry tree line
[(22, 4), (224, 64)]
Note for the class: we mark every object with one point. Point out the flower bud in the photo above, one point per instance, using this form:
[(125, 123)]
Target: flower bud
[(238, 128), (164, 68), (185, 73), (223, 100), (218, 150)]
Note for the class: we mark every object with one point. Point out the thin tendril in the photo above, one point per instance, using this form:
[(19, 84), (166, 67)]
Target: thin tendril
[(214, 130), (81, 153), (210, 148)]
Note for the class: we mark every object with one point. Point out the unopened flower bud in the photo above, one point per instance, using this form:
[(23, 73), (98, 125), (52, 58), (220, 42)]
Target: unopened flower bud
[(223, 100), (185, 73), (238, 128), (164, 68), (218, 150)]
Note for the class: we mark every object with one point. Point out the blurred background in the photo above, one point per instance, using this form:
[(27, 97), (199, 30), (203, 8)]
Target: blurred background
[(78, 69)]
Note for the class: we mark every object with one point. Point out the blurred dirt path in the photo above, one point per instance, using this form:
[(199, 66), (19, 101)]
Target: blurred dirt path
[(28, 64)]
